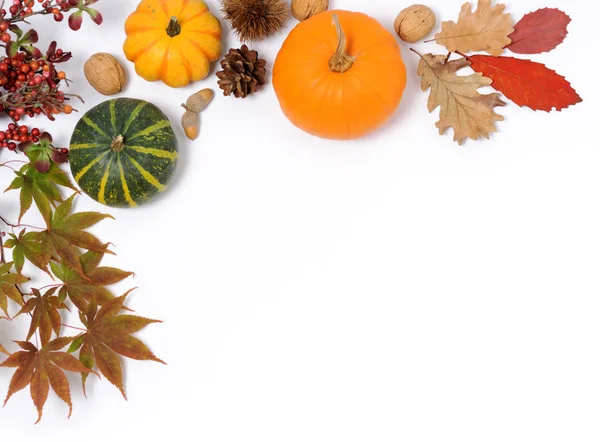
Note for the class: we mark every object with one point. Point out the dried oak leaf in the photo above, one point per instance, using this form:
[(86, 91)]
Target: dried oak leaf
[(29, 245), (539, 31), (65, 234), (109, 335), (486, 29), (42, 369), (82, 290), (41, 188), (526, 83), (8, 289), (462, 107), (45, 316)]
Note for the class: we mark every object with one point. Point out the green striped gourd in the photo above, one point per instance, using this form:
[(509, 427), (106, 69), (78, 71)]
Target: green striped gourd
[(123, 152)]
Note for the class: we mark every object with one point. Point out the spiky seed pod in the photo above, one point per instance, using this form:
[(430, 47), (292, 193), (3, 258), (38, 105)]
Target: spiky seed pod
[(255, 20)]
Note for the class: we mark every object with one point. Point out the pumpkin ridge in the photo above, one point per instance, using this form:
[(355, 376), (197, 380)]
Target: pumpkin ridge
[(163, 4), (207, 32), (201, 49), (91, 164), (94, 126), (187, 65), (103, 181), (302, 93), (124, 185), (375, 93), (85, 146), (199, 14), (171, 155), (113, 115), (133, 116), (322, 105), (146, 175), (163, 64), (151, 129)]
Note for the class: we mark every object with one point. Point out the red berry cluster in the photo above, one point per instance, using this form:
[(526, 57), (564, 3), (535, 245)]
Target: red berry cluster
[(24, 8), (32, 86), (14, 135)]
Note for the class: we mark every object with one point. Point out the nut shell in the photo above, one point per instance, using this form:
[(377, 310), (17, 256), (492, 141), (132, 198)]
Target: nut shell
[(414, 23), (303, 9), (105, 73)]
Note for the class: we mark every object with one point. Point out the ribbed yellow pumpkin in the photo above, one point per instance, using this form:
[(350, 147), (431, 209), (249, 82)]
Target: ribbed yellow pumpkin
[(172, 40)]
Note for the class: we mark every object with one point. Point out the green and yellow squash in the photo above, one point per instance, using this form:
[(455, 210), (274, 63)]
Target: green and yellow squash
[(123, 152)]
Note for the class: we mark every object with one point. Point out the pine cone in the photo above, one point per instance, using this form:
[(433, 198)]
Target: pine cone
[(243, 72)]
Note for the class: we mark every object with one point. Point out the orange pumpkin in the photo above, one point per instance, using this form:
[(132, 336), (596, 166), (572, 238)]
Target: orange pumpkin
[(339, 75), (172, 40)]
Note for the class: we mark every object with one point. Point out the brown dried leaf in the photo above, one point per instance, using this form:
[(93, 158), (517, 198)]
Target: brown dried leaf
[(41, 369), (486, 29), (462, 107)]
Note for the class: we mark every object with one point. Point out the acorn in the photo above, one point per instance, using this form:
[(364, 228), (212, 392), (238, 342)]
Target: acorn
[(195, 104)]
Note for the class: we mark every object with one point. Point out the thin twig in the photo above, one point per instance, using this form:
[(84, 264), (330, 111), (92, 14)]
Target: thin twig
[(74, 328), (2, 261), (16, 226)]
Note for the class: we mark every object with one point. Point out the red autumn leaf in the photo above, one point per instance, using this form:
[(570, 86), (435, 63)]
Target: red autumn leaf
[(539, 31), (108, 336), (45, 317), (526, 83), (42, 369)]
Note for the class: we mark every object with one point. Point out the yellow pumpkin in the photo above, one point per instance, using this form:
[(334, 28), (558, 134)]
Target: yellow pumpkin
[(339, 75), (172, 40)]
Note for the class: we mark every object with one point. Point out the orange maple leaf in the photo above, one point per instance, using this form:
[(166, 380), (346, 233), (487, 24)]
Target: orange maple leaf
[(42, 369), (109, 335)]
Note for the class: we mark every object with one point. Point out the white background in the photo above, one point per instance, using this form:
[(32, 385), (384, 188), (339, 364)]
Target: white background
[(396, 288)]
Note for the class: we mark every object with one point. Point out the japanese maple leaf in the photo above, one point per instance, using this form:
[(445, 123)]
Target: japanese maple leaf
[(65, 234), (41, 188), (8, 289), (42, 369), (486, 29), (29, 245), (469, 113), (82, 290), (45, 316), (109, 335)]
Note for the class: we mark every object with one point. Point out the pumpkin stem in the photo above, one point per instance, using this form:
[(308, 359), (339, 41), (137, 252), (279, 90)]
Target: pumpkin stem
[(118, 143), (174, 27), (340, 62)]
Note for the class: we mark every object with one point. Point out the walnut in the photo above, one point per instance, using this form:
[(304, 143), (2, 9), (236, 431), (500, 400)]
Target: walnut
[(303, 9), (105, 73), (414, 23)]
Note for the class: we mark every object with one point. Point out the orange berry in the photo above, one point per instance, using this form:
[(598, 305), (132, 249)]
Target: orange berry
[(67, 109), (62, 75)]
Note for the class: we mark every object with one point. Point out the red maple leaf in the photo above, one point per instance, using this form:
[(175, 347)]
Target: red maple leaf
[(526, 83), (42, 369), (539, 31)]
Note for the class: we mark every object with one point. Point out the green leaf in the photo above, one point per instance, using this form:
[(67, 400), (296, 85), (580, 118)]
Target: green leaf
[(31, 246), (76, 344), (42, 188)]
